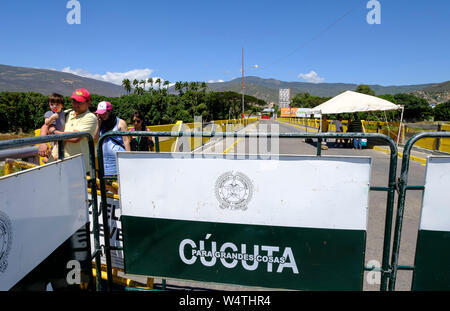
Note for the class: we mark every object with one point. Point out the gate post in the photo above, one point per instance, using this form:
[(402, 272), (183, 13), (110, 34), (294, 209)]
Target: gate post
[(402, 187)]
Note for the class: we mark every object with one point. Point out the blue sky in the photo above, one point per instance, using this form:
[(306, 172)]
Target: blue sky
[(202, 40)]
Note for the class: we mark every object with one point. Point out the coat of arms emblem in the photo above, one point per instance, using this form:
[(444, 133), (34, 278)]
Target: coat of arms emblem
[(233, 190), (5, 240)]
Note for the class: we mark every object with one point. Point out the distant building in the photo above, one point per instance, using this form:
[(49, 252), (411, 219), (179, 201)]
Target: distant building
[(270, 105), (284, 98)]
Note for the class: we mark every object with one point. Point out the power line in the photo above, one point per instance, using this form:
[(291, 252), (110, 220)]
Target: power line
[(315, 37)]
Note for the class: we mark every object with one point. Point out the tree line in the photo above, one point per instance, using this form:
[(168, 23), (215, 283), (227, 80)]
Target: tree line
[(24, 111), (416, 108)]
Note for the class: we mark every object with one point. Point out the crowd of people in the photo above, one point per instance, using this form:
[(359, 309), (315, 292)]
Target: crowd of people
[(81, 119), (354, 125)]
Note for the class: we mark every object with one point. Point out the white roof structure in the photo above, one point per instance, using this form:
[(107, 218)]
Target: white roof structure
[(350, 101)]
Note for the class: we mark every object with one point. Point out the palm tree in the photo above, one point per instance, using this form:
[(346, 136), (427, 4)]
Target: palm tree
[(126, 83), (179, 87), (193, 86), (143, 83), (150, 81), (136, 85), (204, 86), (158, 81), (139, 90), (165, 89)]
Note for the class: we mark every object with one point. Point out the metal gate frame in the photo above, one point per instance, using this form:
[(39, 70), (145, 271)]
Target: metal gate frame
[(403, 187), (59, 138), (386, 268)]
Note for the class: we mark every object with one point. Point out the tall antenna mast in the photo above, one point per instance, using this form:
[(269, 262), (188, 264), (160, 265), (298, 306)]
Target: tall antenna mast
[(243, 113)]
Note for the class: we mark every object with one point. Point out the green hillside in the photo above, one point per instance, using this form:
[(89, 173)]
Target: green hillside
[(267, 89)]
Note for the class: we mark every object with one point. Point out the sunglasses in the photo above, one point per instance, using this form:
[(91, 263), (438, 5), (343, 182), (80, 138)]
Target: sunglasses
[(137, 121)]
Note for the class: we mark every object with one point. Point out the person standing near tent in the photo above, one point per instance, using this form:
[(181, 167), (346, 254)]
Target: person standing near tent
[(324, 130), (355, 126), (349, 129), (339, 129)]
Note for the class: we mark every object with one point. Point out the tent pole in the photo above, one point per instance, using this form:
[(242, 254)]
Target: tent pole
[(400, 126), (386, 120), (320, 124)]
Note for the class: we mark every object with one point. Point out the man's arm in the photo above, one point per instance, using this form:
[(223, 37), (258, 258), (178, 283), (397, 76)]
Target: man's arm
[(43, 148), (88, 125)]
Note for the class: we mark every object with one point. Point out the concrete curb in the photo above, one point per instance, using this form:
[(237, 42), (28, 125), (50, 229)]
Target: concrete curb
[(385, 150), (400, 154)]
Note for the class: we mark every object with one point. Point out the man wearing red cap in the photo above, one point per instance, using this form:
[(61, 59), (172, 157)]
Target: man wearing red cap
[(79, 119)]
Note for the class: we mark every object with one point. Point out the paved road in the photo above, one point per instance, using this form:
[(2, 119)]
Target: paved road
[(377, 199)]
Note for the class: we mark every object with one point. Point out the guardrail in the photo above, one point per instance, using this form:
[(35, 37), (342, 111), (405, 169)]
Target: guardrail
[(388, 269), (402, 188), (388, 128)]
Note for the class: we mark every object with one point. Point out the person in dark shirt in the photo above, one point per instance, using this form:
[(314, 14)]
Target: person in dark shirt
[(356, 127), (140, 143)]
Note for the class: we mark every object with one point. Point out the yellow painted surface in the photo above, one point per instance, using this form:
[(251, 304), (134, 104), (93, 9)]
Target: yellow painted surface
[(122, 280), (11, 163), (445, 142), (426, 143)]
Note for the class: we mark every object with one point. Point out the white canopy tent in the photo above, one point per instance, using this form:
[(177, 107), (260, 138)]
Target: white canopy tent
[(349, 102)]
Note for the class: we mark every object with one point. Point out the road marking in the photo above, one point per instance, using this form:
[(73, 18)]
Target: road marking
[(234, 144), (400, 155), (299, 126)]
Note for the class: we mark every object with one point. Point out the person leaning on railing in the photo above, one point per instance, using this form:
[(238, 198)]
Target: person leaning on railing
[(108, 121), (140, 143), (78, 119)]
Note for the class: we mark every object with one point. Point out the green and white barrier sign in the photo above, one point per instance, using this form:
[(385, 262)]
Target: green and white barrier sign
[(115, 231), (34, 225), (296, 223), (432, 263)]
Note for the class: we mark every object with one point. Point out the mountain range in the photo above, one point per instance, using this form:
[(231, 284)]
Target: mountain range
[(45, 81), (267, 89)]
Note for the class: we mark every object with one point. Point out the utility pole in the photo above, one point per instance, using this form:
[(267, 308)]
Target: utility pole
[(243, 113)]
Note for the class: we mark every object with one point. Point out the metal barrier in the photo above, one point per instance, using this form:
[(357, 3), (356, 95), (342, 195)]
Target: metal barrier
[(389, 267), (27, 152), (402, 188), (390, 188), (59, 138)]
